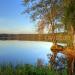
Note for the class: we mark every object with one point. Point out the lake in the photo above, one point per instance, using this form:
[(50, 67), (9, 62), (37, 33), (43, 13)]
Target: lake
[(23, 52)]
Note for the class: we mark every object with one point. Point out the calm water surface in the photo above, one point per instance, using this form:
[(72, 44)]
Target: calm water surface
[(23, 52)]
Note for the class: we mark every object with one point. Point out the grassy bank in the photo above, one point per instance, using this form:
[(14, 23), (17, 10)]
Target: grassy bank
[(28, 70)]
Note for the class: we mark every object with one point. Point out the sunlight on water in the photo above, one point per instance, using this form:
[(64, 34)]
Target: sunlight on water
[(17, 52)]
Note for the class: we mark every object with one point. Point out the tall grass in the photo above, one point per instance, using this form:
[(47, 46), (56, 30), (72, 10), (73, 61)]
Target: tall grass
[(28, 69)]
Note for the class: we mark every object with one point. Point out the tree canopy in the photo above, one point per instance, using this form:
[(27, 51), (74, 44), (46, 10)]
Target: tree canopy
[(56, 13), (69, 13)]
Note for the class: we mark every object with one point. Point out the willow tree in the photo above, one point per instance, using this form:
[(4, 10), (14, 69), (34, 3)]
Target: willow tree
[(48, 12)]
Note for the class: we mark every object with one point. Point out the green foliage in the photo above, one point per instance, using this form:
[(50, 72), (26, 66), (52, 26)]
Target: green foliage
[(47, 11), (69, 13), (26, 70), (52, 10)]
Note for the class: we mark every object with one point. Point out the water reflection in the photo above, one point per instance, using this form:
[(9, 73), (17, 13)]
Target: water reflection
[(27, 52)]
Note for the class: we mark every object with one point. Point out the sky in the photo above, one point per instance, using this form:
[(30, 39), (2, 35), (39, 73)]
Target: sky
[(11, 19)]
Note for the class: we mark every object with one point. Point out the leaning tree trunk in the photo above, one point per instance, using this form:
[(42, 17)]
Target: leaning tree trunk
[(71, 44), (74, 49)]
